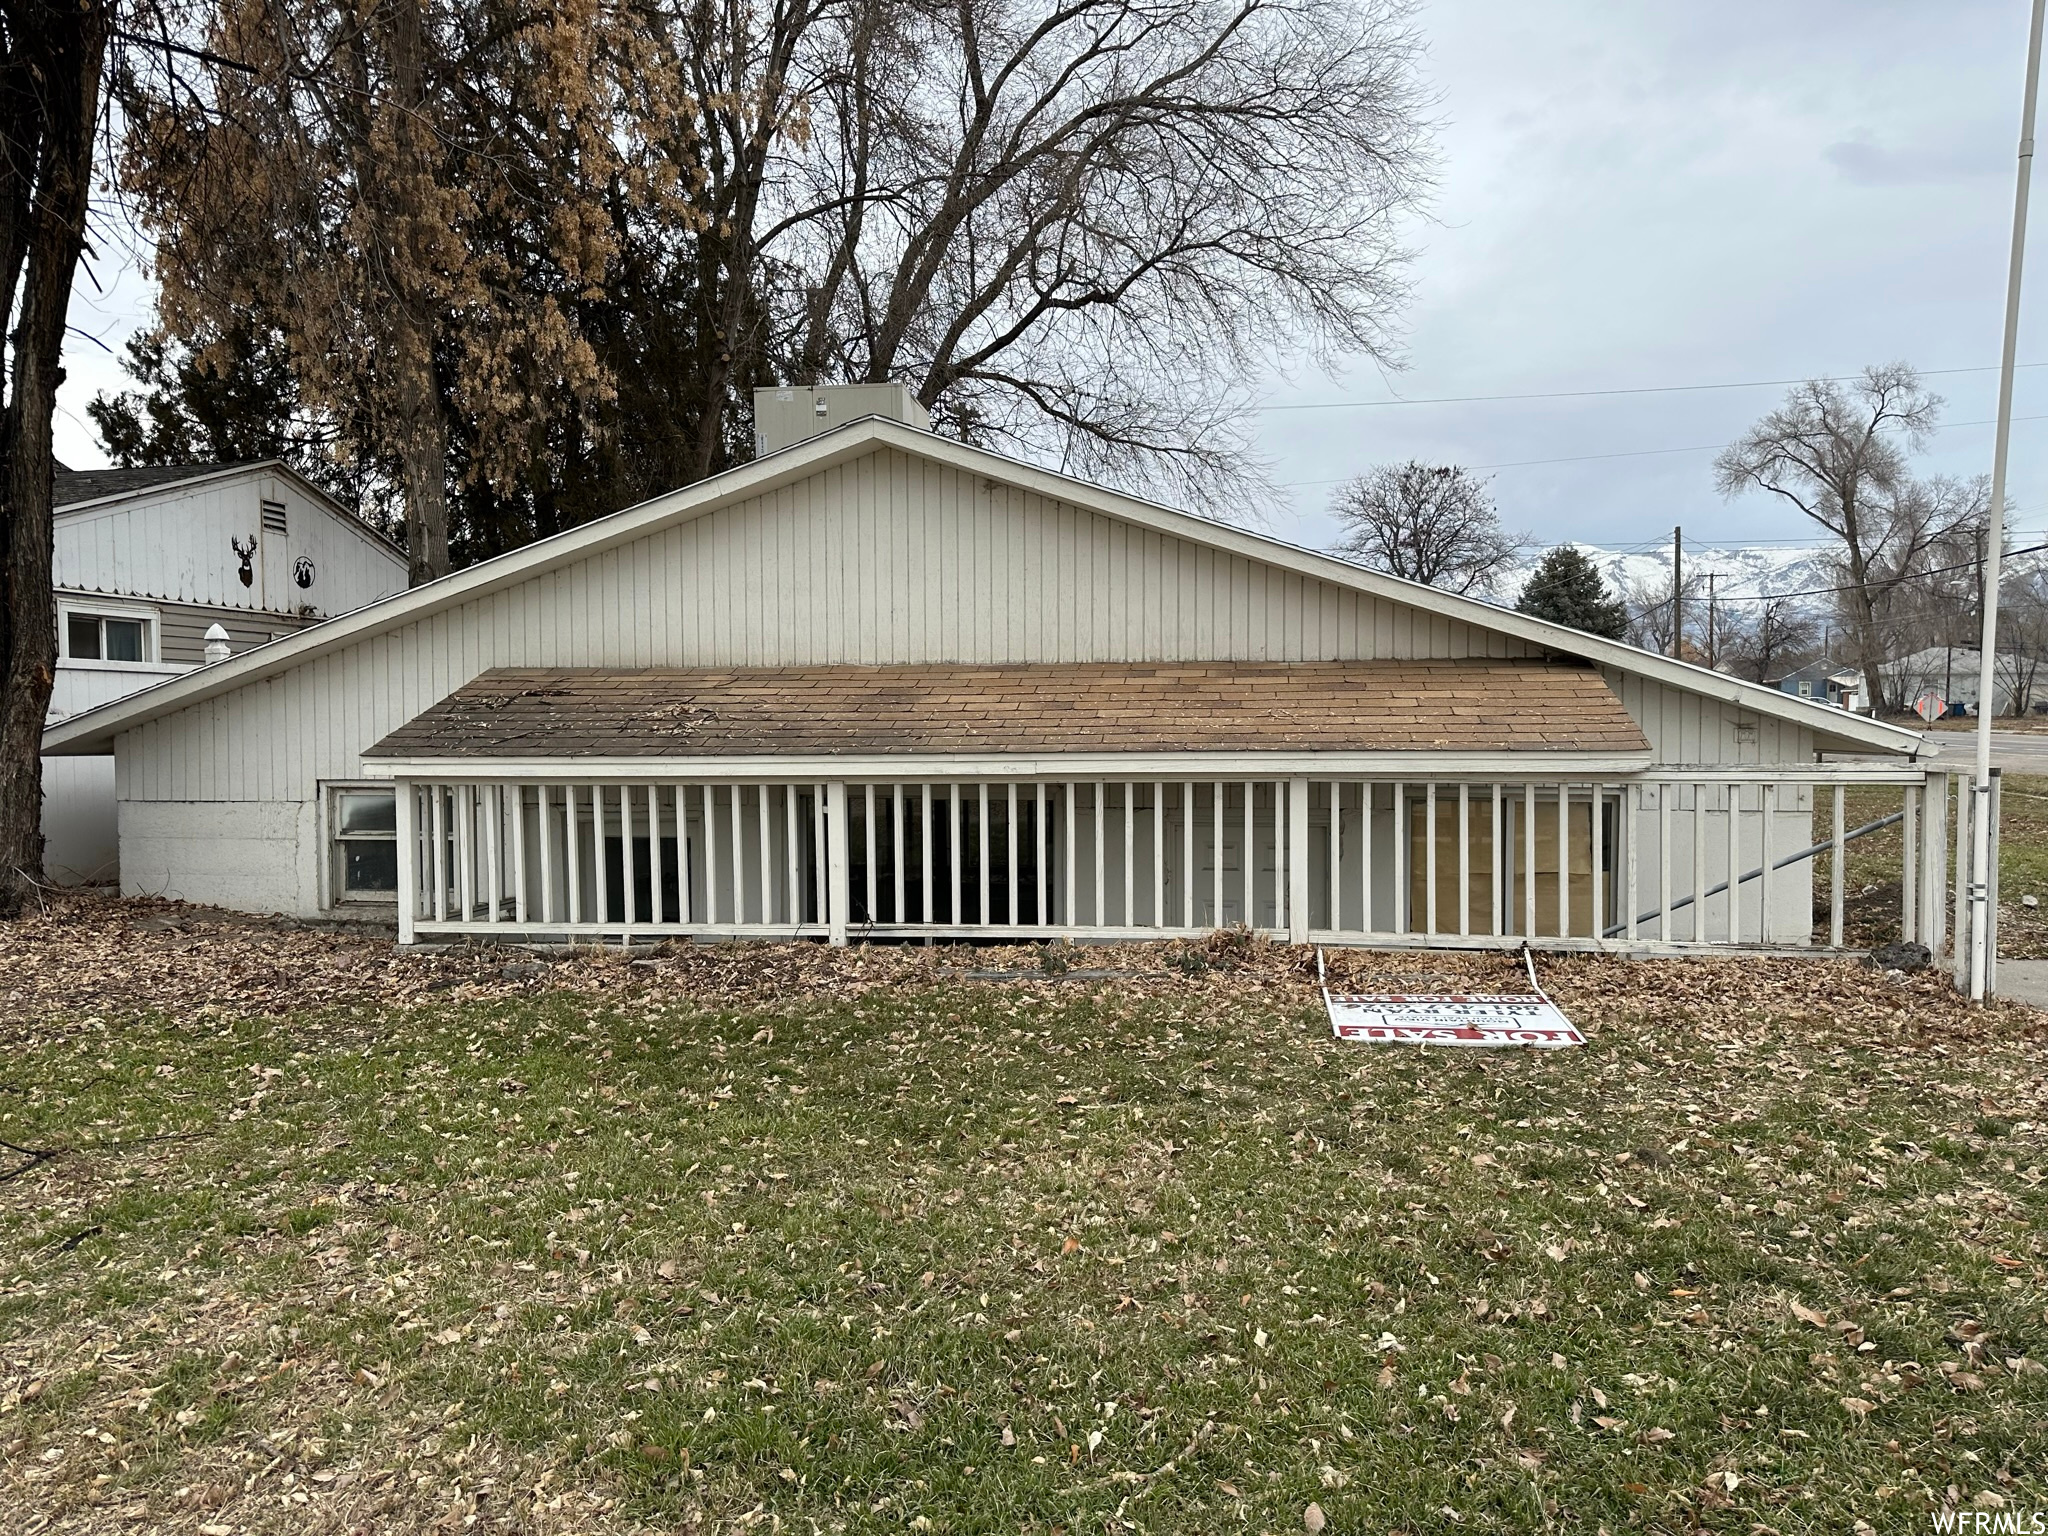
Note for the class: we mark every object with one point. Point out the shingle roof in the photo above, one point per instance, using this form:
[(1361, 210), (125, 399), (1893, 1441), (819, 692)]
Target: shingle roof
[(76, 485), (1372, 706)]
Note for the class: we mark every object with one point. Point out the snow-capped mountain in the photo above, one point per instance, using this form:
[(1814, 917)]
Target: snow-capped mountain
[(1739, 572)]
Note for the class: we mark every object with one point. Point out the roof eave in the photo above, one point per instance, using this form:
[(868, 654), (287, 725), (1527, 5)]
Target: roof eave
[(933, 766), (92, 732)]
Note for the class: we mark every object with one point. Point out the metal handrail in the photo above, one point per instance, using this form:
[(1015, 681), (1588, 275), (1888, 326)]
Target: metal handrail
[(1758, 873)]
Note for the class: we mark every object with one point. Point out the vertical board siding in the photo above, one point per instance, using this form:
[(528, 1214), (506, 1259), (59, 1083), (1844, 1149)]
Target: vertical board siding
[(174, 545), (889, 558)]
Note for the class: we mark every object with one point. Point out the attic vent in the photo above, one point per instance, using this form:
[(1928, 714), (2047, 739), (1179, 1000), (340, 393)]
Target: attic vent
[(274, 518)]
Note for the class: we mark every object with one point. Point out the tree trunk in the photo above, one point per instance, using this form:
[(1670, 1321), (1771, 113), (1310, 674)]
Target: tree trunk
[(422, 433), (1862, 607), (44, 188), (422, 455)]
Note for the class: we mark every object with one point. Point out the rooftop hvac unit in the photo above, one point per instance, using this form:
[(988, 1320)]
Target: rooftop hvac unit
[(796, 413)]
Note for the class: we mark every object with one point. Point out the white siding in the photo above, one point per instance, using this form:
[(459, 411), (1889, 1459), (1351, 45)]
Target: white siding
[(1687, 728), (80, 841), (177, 545), (887, 558)]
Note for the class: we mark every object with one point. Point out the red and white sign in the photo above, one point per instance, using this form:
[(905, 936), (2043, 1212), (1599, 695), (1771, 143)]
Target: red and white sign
[(1449, 1018), (1930, 706)]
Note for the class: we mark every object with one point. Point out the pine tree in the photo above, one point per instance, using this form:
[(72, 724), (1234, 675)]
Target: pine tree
[(1567, 588)]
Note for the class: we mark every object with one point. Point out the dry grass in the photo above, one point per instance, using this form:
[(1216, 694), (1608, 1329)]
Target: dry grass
[(775, 1237)]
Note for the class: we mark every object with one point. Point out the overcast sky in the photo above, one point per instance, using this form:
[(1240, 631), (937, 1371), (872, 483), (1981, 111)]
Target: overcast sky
[(1640, 195)]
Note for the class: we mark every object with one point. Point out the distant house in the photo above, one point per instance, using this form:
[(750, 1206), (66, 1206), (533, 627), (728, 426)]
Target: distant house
[(1822, 681), (149, 564), (1949, 673)]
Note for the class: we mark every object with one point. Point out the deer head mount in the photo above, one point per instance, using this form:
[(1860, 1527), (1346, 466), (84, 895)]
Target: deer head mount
[(247, 554)]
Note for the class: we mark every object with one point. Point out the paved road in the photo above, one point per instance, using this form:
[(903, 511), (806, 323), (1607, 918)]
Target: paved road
[(2014, 751)]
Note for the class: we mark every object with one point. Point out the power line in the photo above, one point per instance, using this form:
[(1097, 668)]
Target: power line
[(1636, 453), (1592, 394), (1940, 570)]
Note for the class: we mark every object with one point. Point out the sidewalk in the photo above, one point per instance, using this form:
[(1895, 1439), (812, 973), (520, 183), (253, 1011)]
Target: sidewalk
[(2024, 981)]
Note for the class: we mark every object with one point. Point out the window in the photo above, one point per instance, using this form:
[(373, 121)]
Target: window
[(363, 855), (1806, 690), (106, 636), (274, 519)]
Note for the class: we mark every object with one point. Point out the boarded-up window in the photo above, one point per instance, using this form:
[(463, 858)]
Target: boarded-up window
[(1502, 863)]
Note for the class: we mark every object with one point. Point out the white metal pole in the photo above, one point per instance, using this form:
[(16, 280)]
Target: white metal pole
[(1987, 695), (407, 798)]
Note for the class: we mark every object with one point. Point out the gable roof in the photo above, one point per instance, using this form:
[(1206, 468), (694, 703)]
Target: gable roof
[(1070, 707), (76, 485), (93, 731), (79, 491)]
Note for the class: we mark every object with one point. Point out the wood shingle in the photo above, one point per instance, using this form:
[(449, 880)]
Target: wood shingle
[(826, 711)]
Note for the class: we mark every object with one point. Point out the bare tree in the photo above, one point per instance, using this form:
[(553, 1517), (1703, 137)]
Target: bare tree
[(1073, 229), (1837, 452), (1434, 524), (2022, 636), (1764, 640), (1651, 612), (51, 58)]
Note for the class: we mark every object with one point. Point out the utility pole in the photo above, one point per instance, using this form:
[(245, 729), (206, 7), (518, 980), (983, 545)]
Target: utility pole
[(1713, 653), (1981, 958), (1678, 593)]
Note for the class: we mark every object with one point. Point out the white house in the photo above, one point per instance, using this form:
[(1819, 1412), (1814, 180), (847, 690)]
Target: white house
[(1950, 673), (877, 682), (148, 563)]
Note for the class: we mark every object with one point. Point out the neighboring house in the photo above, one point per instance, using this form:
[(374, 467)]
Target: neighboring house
[(1949, 673), (149, 563), (1821, 681), (878, 683)]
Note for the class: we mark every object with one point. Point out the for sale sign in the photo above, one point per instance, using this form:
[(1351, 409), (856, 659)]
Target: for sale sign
[(1446, 1018)]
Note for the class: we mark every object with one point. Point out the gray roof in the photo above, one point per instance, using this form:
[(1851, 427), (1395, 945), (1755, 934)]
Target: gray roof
[(76, 485)]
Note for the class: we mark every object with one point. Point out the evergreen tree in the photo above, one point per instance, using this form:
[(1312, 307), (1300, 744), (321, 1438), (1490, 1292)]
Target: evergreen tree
[(1567, 588), (237, 402)]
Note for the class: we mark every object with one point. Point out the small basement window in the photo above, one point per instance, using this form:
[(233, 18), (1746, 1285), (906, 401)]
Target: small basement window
[(363, 845), (105, 637)]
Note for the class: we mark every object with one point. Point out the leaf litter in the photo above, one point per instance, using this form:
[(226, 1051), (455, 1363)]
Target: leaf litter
[(763, 1236)]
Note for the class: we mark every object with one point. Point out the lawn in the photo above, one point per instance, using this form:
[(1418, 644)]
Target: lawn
[(1871, 875), (784, 1239)]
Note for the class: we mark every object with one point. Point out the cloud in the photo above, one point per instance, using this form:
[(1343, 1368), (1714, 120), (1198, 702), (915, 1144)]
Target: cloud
[(1862, 161)]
